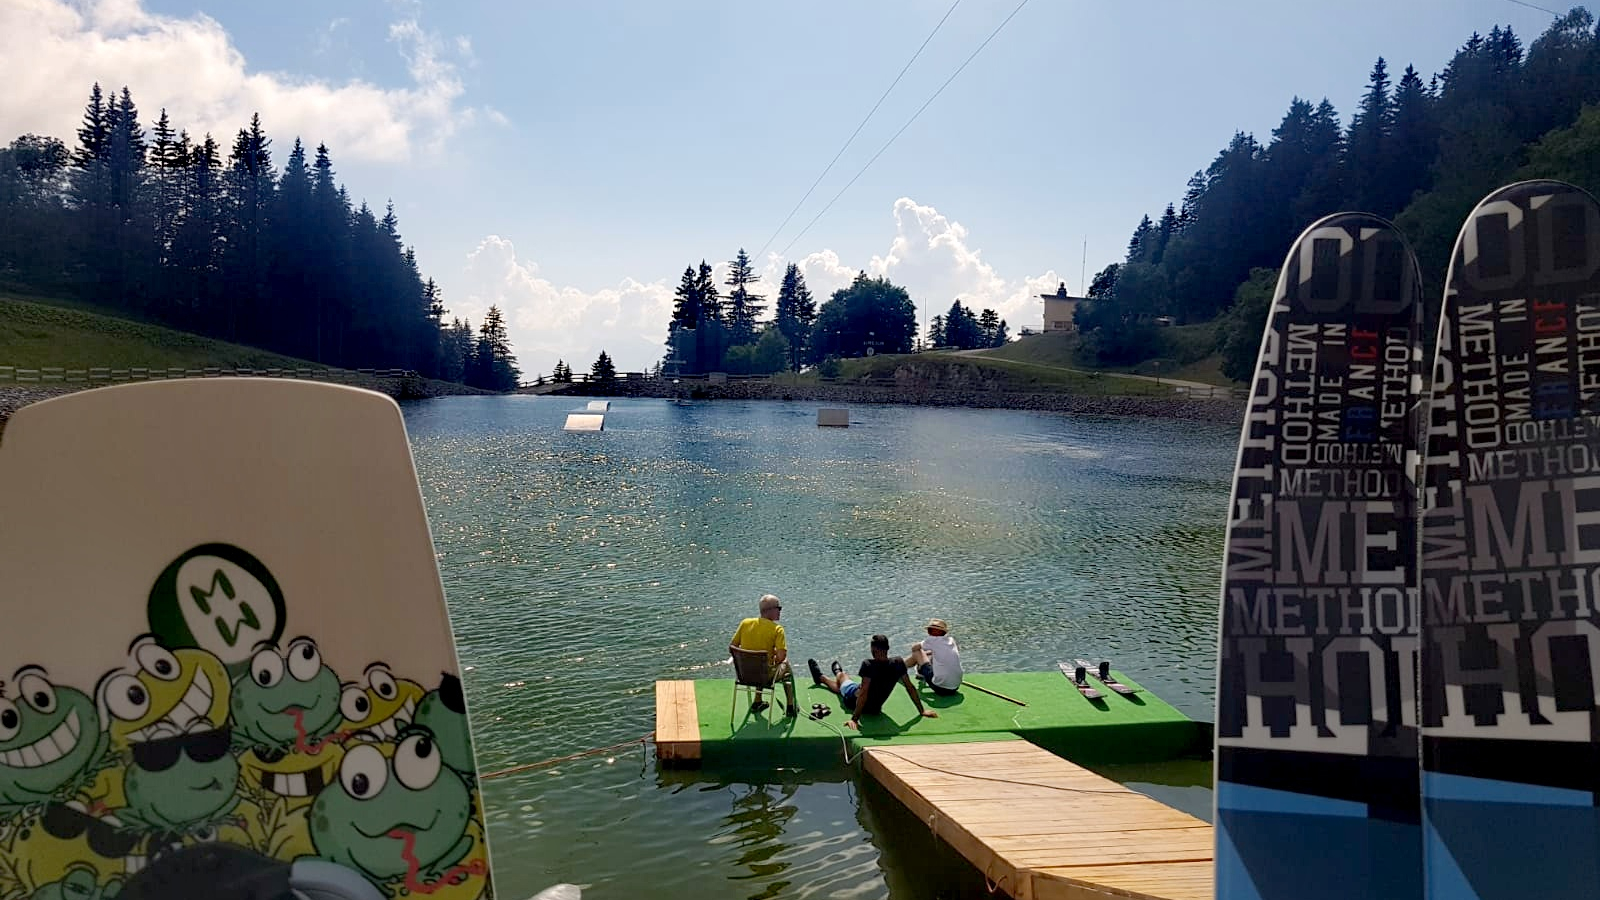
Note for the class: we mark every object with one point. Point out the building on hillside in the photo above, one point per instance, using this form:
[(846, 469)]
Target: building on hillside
[(1058, 308)]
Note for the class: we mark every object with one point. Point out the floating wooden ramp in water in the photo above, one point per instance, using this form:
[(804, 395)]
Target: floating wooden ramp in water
[(585, 422), (1041, 828)]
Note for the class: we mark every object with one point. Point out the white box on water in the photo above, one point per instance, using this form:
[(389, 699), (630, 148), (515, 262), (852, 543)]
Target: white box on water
[(599, 406), (833, 417), (584, 422)]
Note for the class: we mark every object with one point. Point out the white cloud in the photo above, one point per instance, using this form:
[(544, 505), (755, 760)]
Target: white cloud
[(930, 255), (190, 66), (547, 322), (325, 37)]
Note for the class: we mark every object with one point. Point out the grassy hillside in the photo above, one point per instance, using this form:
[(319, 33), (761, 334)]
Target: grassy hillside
[(954, 370), (1187, 353), (35, 334)]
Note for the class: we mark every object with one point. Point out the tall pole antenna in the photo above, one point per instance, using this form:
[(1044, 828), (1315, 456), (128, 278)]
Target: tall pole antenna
[(1083, 274)]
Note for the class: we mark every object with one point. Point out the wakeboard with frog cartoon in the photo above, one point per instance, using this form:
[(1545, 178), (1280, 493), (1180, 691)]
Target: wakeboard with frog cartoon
[(225, 649)]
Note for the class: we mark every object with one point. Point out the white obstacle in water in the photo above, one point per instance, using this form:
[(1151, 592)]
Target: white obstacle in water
[(599, 406), (584, 422), (833, 417)]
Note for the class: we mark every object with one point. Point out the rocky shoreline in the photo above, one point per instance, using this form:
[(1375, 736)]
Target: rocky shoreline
[(1222, 411)]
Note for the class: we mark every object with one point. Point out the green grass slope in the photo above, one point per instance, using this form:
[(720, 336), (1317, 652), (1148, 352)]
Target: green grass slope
[(1187, 353), (35, 335), (948, 370)]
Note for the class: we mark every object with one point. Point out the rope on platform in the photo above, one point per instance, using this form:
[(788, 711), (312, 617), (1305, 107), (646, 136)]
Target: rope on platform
[(560, 759), (1052, 787)]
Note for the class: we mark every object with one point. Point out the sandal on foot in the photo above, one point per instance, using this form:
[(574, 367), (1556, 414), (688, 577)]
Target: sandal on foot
[(816, 672)]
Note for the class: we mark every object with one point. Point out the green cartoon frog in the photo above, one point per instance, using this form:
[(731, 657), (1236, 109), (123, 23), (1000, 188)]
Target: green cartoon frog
[(165, 693), (287, 701), (79, 884), (396, 814), (444, 712), (51, 742), (181, 784)]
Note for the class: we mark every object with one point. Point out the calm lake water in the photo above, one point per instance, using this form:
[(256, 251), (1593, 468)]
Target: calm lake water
[(582, 568)]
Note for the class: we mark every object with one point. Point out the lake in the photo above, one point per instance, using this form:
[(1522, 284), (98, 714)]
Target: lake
[(582, 568)]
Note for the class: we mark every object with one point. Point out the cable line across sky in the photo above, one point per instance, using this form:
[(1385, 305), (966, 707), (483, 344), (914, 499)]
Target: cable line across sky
[(897, 134), (853, 134)]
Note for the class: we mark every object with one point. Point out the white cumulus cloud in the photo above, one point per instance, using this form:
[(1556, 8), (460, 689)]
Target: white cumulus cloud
[(930, 254), (190, 66), (547, 322)]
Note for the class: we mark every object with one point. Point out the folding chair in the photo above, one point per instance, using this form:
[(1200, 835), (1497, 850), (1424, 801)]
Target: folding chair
[(752, 674)]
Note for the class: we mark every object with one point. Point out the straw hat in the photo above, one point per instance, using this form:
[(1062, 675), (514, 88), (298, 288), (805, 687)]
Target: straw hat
[(938, 624)]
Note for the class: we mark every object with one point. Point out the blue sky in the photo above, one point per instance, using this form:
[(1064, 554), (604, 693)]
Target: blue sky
[(566, 160)]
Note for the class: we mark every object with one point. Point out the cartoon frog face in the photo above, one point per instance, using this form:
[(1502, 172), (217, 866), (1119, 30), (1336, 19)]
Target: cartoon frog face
[(177, 782), (50, 739), (286, 699), (295, 776), (166, 693), (382, 706), (391, 799), (444, 712), (66, 837), (79, 884)]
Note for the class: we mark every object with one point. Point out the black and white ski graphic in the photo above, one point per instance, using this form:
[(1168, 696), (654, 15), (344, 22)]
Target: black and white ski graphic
[(1316, 741), (1511, 555)]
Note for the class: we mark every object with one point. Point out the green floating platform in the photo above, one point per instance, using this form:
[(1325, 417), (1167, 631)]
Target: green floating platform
[(1111, 729)]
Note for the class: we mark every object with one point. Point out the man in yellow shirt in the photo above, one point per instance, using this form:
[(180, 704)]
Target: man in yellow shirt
[(763, 633)]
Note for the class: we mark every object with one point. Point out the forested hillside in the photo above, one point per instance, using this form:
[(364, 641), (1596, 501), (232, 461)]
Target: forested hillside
[(177, 230), (1421, 150)]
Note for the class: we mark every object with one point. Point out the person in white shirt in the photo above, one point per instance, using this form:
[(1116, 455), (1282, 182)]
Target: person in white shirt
[(937, 660)]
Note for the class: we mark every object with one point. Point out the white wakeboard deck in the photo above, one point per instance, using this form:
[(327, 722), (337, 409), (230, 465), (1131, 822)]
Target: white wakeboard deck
[(224, 622)]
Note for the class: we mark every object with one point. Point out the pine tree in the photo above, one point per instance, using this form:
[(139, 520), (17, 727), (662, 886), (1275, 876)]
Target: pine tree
[(603, 373), (493, 367), (744, 308), (1142, 241), (1369, 131), (936, 332), (795, 313), (249, 185), (988, 326), (167, 163), (1412, 143), (1001, 335), (1191, 200)]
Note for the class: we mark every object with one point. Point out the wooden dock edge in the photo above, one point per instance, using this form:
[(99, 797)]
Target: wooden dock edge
[(1031, 876), (677, 736)]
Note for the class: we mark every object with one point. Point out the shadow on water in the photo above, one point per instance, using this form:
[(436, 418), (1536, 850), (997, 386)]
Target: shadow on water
[(772, 857)]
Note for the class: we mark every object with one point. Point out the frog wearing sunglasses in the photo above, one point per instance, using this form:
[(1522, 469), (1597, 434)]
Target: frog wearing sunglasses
[(183, 783), (67, 838)]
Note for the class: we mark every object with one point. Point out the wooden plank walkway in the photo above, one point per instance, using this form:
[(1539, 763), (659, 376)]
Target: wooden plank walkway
[(1042, 828), (677, 722)]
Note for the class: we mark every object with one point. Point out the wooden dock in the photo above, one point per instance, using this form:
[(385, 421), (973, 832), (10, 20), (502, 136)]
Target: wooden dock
[(1041, 828), (677, 722)]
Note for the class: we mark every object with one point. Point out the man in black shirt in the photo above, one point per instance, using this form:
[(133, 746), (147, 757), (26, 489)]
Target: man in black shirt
[(878, 677)]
